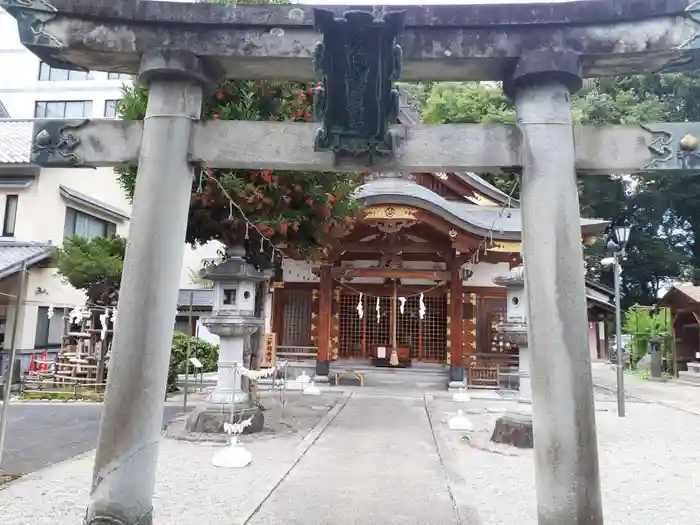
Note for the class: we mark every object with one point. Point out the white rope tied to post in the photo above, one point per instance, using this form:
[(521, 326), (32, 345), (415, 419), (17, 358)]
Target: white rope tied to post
[(258, 374)]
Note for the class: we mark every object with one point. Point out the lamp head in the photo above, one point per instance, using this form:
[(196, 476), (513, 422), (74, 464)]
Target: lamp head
[(622, 233)]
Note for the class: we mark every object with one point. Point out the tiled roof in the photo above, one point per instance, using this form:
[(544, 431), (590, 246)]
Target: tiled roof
[(13, 252), (15, 141)]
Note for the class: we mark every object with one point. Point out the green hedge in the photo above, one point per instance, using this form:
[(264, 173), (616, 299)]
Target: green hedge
[(206, 352)]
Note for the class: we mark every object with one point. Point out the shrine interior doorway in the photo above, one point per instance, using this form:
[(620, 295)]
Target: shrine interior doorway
[(391, 320)]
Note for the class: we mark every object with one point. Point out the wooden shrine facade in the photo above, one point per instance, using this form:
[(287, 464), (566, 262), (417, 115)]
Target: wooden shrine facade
[(415, 275)]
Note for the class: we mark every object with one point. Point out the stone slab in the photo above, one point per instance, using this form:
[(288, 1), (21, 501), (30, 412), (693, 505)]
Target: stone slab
[(421, 147), (689, 377), (377, 463), (468, 42), (515, 430)]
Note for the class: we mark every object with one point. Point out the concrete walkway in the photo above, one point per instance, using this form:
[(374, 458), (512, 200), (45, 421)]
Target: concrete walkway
[(376, 463), (667, 393)]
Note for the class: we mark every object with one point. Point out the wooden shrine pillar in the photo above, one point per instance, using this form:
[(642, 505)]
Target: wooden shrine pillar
[(325, 312), (277, 303), (454, 313), (455, 335)]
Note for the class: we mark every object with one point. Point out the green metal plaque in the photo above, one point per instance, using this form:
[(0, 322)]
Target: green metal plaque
[(358, 62)]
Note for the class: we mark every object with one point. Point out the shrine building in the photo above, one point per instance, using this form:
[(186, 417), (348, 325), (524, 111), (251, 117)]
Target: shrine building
[(416, 275)]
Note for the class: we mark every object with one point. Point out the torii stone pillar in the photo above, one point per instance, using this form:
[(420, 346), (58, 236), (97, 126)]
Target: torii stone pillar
[(515, 328), (566, 447), (127, 448)]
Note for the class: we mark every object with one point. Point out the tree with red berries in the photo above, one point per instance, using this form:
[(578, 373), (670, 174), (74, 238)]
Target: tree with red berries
[(307, 213)]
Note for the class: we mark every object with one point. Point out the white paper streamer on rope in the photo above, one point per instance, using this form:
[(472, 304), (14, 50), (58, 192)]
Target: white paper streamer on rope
[(379, 312), (402, 306), (103, 322), (75, 315), (257, 374), (49, 312), (114, 318), (421, 308), (360, 308), (237, 428)]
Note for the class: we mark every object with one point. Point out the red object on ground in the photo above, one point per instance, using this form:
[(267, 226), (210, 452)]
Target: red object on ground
[(44, 365), (32, 364)]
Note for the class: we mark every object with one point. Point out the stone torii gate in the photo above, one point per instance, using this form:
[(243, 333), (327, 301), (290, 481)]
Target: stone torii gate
[(540, 51)]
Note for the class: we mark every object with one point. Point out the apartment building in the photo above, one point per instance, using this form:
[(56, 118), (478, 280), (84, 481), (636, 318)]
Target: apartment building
[(40, 207)]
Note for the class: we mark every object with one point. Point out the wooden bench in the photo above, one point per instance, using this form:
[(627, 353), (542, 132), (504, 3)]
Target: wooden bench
[(359, 375), (482, 375)]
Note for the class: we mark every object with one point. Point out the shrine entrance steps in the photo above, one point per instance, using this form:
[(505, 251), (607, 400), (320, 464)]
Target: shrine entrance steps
[(420, 376)]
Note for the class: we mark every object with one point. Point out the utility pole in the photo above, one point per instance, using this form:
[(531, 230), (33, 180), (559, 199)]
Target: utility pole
[(13, 351)]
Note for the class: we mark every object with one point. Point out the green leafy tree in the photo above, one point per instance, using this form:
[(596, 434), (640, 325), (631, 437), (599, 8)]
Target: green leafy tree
[(94, 266), (660, 207), (307, 212), (647, 324)]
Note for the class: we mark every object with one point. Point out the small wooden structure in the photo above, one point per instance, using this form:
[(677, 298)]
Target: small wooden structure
[(83, 357), (684, 303)]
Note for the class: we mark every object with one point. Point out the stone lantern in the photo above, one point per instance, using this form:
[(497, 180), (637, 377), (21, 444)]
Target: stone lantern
[(234, 320), (515, 328)]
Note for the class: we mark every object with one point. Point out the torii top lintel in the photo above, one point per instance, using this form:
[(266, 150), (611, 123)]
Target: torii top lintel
[(465, 42)]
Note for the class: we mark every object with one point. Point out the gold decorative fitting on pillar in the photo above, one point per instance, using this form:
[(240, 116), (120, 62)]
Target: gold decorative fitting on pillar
[(277, 285), (314, 294), (335, 340), (313, 315), (336, 293), (472, 298), (472, 344), (336, 317), (689, 143), (452, 233), (313, 327)]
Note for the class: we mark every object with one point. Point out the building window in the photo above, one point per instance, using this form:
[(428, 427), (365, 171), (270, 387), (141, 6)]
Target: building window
[(48, 331), (84, 225), (110, 109), (118, 76), (46, 72), (8, 229), (63, 109)]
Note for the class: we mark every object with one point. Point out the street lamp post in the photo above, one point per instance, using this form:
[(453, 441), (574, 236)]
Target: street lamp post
[(622, 233)]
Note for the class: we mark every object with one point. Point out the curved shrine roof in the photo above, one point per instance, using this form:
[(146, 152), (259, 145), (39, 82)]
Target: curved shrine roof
[(494, 221)]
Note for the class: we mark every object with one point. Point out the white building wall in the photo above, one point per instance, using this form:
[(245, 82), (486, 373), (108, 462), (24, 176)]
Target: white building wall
[(41, 212), (20, 86)]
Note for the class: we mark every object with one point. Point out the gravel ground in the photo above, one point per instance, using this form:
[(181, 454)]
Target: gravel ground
[(189, 489), (650, 465)]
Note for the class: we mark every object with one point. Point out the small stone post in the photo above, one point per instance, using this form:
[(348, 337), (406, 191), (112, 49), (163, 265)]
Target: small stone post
[(566, 446), (515, 329), (234, 320), (127, 448)]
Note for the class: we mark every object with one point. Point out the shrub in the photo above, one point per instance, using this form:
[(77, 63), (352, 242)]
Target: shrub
[(206, 352)]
